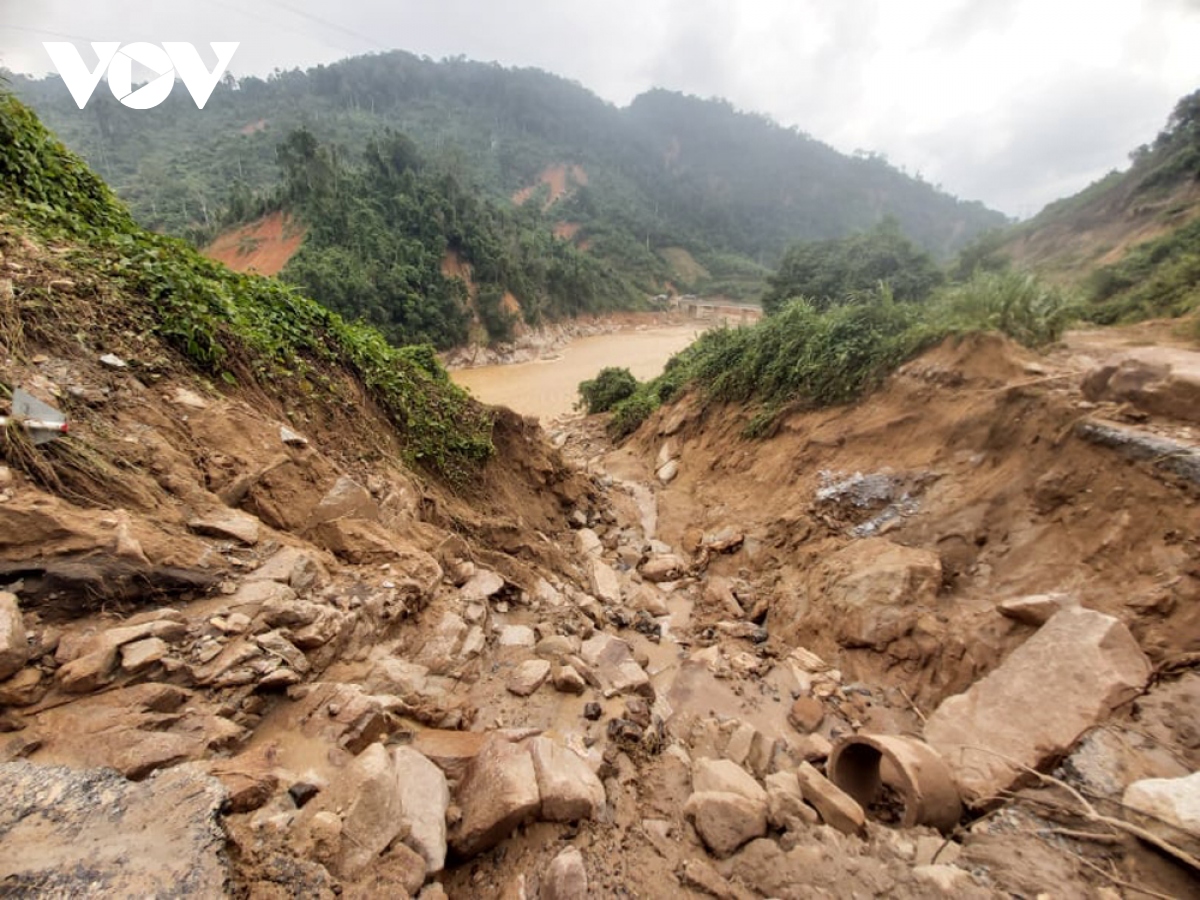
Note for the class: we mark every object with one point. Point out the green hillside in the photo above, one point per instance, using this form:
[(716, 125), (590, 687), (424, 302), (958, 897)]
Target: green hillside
[(127, 283), (1130, 241), (732, 189)]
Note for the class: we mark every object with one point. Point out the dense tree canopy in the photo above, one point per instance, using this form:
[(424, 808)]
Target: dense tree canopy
[(830, 273), (380, 230)]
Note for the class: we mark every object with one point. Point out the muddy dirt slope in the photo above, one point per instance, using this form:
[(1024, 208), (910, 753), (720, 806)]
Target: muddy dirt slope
[(245, 652)]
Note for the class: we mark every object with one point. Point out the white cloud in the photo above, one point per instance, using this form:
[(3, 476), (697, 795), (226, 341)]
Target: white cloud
[(1012, 103)]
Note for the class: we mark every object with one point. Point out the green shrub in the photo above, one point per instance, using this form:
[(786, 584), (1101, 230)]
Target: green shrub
[(606, 390), (631, 413)]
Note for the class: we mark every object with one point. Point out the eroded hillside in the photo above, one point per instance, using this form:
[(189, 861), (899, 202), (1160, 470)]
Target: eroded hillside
[(285, 614), (1128, 241)]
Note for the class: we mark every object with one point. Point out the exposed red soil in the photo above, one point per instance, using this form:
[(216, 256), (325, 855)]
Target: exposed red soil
[(264, 246), (561, 179), (566, 231)]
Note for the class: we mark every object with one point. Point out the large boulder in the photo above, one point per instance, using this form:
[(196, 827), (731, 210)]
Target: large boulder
[(725, 821), (498, 793), (1078, 668), (614, 665), (424, 799), (836, 808), (366, 798), (723, 776), (1160, 380), (872, 590), (569, 789), (14, 643), (1173, 801), (602, 578), (566, 879), (91, 833)]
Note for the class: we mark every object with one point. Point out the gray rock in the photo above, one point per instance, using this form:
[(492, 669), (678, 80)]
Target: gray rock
[(650, 599), (1078, 668), (275, 602), (228, 524), (668, 472), (292, 438), (785, 802), (670, 450), (292, 566), (557, 647), (517, 636), (1175, 801), (950, 880), (567, 680), (424, 799), (870, 593), (498, 793), (143, 654), (1035, 609), (725, 821), (398, 677), (25, 688), (566, 879), (569, 789), (366, 797), (612, 661), (97, 659), (441, 653), (482, 585), (347, 499), (587, 543), (724, 776), (14, 642), (837, 808), (528, 677), (474, 643), (91, 833), (277, 645), (668, 567), (604, 581)]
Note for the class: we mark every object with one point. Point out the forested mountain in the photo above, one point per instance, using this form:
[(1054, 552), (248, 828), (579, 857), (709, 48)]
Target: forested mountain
[(390, 238), (642, 184)]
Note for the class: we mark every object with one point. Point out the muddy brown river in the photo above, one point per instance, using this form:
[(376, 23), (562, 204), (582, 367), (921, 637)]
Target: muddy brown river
[(549, 388)]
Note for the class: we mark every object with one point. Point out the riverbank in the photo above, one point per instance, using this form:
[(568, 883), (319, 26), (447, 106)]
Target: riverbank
[(547, 342)]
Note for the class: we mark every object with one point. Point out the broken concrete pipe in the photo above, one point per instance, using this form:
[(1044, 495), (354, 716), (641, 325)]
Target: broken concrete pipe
[(862, 764)]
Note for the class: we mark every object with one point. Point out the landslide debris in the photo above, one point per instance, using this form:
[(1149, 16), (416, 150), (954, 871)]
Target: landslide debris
[(402, 668)]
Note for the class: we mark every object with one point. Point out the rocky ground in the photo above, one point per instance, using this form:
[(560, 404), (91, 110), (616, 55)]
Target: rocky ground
[(939, 644)]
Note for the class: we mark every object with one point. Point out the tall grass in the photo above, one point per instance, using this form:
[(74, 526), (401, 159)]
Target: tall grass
[(806, 357)]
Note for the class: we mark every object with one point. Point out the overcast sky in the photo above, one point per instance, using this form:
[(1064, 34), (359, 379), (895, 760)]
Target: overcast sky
[(1012, 102)]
